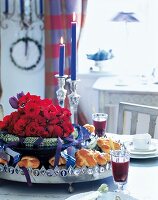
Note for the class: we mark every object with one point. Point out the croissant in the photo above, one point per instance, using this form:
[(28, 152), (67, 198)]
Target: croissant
[(85, 157), (107, 144), (101, 158), (62, 161), (104, 144), (2, 161), (29, 161), (116, 145), (89, 127)]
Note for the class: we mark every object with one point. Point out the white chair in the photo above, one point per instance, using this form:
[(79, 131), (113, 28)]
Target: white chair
[(135, 110), (1, 112)]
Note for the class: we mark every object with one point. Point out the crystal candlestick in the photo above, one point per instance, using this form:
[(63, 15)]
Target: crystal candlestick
[(73, 101), (61, 92)]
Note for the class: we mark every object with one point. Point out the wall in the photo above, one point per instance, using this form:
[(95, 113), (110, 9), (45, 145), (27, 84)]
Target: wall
[(15, 80)]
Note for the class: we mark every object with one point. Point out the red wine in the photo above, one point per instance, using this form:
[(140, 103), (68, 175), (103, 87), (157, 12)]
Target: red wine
[(120, 171), (99, 127)]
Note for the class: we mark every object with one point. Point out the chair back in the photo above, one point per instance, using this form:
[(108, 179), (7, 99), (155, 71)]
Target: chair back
[(135, 110), (1, 112)]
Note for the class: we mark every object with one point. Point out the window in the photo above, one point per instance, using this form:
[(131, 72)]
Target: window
[(134, 44)]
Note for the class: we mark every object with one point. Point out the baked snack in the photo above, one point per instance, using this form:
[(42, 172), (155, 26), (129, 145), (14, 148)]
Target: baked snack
[(101, 158), (85, 157), (106, 144), (29, 161), (89, 127), (116, 145), (62, 161), (2, 161)]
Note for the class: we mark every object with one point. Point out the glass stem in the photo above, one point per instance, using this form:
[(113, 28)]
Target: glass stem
[(120, 187)]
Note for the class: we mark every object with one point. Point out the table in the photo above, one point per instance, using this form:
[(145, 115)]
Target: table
[(142, 183), (111, 92)]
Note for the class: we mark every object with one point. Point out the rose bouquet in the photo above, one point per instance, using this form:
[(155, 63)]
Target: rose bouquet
[(36, 117)]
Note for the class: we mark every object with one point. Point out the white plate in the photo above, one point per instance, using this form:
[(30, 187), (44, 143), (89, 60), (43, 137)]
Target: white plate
[(103, 196), (152, 150), (144, 156), (112, 196), (85, 196), (141, 154)]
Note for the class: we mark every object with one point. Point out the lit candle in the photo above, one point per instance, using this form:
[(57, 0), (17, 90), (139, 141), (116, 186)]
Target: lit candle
[(41, 8), (6, 6), (21, 7), (73, 48), (61, 57)]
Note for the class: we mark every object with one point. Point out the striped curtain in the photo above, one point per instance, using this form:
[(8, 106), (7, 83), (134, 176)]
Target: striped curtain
[(58, 17)]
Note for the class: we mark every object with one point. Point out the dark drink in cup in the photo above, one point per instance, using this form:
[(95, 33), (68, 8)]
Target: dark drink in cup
[(120, 171), (99, 122), (120, 160), (99, 127)]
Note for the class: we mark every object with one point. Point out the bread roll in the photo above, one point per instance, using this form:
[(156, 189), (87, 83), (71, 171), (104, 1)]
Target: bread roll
[(62, 161), (89, 127), (29, 161), (2, 161), (104, 144), (101, 158), (85, 157)]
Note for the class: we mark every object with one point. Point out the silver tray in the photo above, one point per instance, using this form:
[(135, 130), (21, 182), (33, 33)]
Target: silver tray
[(56, 175)]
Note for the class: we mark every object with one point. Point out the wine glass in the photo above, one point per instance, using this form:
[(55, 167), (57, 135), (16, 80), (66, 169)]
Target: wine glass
[(120, 160), (100, 122)]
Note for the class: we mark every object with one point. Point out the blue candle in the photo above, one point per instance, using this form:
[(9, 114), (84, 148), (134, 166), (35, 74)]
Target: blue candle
[(61, 57), (21, 7), (73, 48), (41, 8), (6, 6)]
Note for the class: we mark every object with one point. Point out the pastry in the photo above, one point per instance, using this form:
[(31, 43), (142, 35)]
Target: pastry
[(62, 161), (101, 158), (85, 157), (104, 144), (89, 127), (2, 161), (29, 161)]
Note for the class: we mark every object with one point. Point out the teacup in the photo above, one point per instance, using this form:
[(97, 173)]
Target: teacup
[(142, 141)]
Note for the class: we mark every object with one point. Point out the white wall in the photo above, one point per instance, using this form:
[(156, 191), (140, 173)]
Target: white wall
[(15, 80)]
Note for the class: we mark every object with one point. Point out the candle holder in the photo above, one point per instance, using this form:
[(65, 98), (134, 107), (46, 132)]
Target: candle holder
[(73, 100), (61, 92), (7, 15), (31, 13)]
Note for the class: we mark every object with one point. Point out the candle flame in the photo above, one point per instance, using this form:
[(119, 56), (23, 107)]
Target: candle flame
[(74, 16), (61, 40)]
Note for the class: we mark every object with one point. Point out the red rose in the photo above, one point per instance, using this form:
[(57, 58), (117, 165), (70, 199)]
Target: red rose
[(45, 103), (50, 112), (31, 129), (42, 132), (32, 109), (57, 131), (20, 126), (41, 120), (5, 123)]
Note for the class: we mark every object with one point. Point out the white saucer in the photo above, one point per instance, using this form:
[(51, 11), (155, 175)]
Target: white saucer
[(152, 149), (113, 196), (135, 156), (151, 153), (103, 196)]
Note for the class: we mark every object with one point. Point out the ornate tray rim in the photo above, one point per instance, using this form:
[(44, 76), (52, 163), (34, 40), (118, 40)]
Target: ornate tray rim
[(56, 175)]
